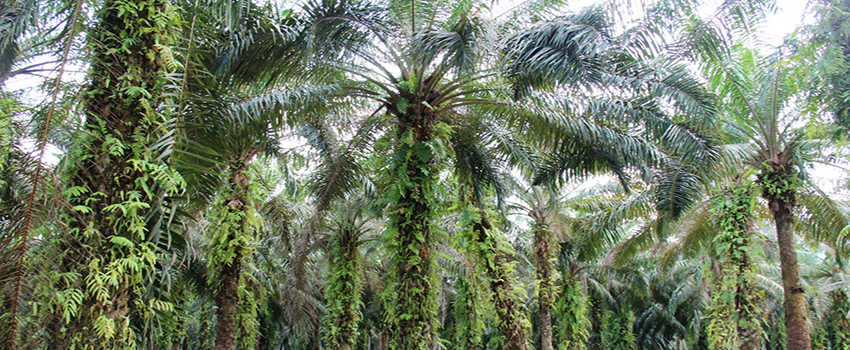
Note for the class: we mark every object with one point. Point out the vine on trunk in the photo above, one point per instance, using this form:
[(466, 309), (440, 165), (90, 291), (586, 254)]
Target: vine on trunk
[(734, 312), (411, 298), (232, 241), (343, 289), (117, 181), (572, 310), (485, 243)]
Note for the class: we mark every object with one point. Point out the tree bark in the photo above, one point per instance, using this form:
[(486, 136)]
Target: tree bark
[(543, 256), (227, 297), (778, 179), (796, 311), (227, 301)]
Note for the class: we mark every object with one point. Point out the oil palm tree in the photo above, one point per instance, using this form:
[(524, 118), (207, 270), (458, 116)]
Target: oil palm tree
[(438, 78), (115, 180), (224, 131), (758, 92)]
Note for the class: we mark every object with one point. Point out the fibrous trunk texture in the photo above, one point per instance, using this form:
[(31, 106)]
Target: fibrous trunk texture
[(778, 181), (796, 310), (227, 301), (111, 188), (544, 259)]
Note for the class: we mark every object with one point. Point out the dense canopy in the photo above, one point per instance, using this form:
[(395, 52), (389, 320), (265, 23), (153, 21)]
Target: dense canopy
[(418, 175)]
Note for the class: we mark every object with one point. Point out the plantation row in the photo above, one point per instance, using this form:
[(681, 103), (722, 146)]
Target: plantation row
[(417, 175)]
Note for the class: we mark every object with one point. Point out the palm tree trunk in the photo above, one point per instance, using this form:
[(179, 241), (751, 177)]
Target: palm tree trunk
[(778, 180), (226, 256), (227, 301), (796, 311), (343, 290), (113, 192), (492, 259), (544, 258), (412, 310)]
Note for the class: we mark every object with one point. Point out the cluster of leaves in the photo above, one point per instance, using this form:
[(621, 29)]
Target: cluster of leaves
[(617, 331)]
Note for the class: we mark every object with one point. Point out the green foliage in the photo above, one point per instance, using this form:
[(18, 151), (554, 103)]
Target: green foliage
[(776, 336), (343, 288), (819, 336), (232, 235), (486, 245), (125, 181), (572, 311), (411, 296), (467, 308), (734, 313), (232, 240), (779, 182), (248, 324), (839, 320), (617, 331)]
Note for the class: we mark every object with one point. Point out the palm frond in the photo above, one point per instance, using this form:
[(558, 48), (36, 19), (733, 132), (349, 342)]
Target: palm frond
[(823, 219), (566, 50)]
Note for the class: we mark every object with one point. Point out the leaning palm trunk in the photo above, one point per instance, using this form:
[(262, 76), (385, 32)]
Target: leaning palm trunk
[(544, 259), (734, 313), (492, 259), (115, 179), (779, 182)]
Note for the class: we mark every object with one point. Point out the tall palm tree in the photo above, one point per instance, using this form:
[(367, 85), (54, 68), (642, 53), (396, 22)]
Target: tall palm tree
[(438, 78), (225, 130), (116, 179), (759, 91)]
